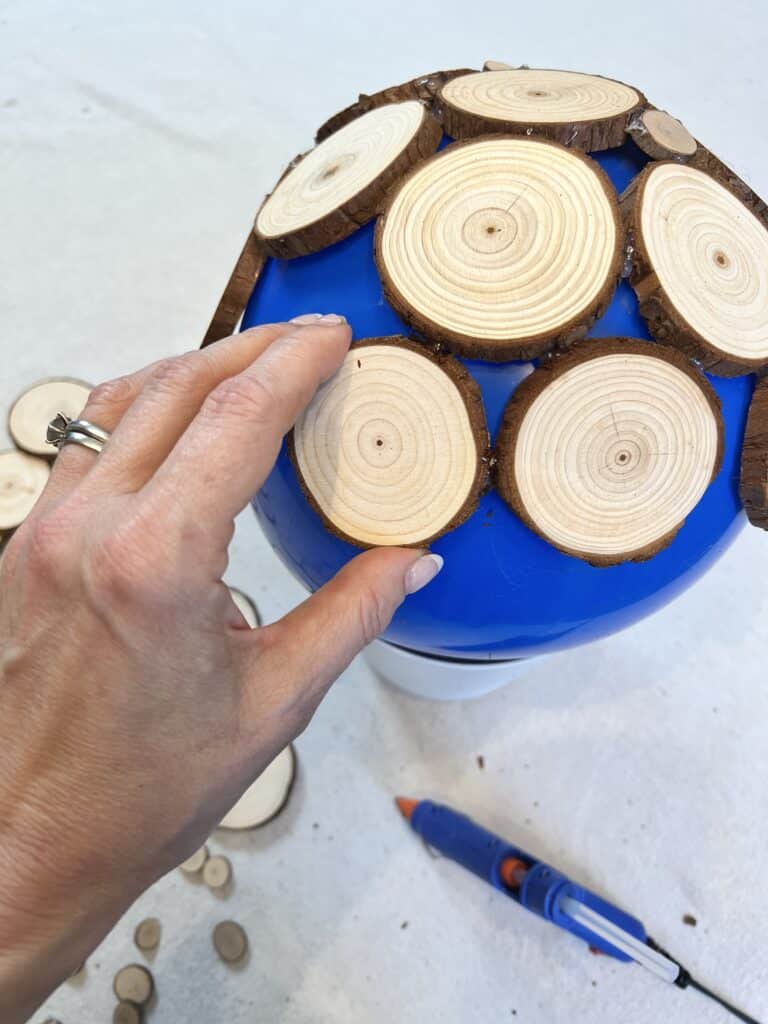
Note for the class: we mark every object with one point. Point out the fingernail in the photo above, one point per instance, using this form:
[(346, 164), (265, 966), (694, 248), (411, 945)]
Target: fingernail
[(306, 318), (422, 572), (319, 318), (333, 318)]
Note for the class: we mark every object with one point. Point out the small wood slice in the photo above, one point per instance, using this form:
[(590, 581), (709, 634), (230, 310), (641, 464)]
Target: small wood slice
[(32, 411), (147, 934), (393, 449), (237, 292), (339, 186), (423, 88), (584, 111), (195, 863), (22, 480), (699, 267), (230, 941), (754, 458), (604, 451), (266, 797), (126, 1013), (662, 136), (483, 247), (133, 984), (217, 872), (497, 65), (247, 608)]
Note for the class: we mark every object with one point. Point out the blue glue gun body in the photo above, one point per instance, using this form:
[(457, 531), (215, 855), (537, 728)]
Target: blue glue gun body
[(542, 888)]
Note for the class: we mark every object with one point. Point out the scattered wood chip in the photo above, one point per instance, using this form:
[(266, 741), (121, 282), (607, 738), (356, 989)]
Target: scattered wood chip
[(689, 919), (133, 984), (480, 762), (195, 863), (230, 941), (217, 872), (147, 934)]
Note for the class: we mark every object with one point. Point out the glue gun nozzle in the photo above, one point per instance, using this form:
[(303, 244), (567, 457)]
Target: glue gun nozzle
[(406, 806)]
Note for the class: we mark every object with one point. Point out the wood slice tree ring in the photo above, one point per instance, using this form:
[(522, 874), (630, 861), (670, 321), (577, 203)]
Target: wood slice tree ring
[(339, 185), (483, 247), (661, 136), (585, 111), (754, 458), (423, 88), (393, 449), (22, 480), (266, 797), (604, 451), (32, 412), (699, 267)]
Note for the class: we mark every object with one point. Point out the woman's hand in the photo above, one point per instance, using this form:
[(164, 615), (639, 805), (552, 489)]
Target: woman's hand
[(136, 705)]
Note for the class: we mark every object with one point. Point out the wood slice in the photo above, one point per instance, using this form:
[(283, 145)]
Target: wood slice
[(230, 941), (584, 111), (246, 607), (483, 247), (32, 411), (126, 1013), (699, 267), (195, 863), (133, 984), (604, 451), (661, 136), (266, 797), (497, 65), (393, 449), (217, 872), (423, 88), (754, 458), (147, 934), (339, 186), (237, 292), (22, 480)]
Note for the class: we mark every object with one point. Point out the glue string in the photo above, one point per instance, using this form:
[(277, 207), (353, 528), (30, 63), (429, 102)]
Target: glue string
[(684, 980)]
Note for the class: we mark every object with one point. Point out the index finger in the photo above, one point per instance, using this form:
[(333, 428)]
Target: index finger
[(228, 450)]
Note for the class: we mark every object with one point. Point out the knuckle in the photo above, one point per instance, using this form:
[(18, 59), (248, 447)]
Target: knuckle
[(48, 545), (111, 392), (174, 375), (250, 398)]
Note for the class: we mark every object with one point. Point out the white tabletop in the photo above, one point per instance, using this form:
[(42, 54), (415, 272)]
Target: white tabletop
[(137, 143)]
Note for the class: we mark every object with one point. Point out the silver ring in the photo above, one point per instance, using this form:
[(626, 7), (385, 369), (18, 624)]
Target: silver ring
[(63, 430)]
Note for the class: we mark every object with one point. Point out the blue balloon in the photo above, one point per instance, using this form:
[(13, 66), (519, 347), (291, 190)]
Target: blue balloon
[(504, 592)]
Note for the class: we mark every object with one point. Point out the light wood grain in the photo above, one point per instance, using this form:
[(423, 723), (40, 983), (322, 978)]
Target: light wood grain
[(22, 480), (265, 797)]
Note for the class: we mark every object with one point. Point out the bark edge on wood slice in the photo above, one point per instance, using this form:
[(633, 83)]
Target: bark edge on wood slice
[(661, 136), (382, 446), (588, 112), (266, 797), (237, 290), (134, 984), (36, 406), (753, 485), (326, 196), (22, 480), (610, 451), (489, 197), (423, 88), (690, 285)]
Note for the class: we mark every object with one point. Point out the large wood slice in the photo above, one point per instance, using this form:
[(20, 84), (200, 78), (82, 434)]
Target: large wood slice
[(502, 248), (604, 451), (699, 267), (423, 88), (339, 186), (22, 480), (237, 292), (754, 458), (393, 450), (661, 136), (584, 111)]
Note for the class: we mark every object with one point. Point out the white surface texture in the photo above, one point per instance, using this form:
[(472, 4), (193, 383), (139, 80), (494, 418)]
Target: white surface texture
[(137, 142)]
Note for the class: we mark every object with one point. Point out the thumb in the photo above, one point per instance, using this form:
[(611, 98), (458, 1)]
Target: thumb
[(313, 644)]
